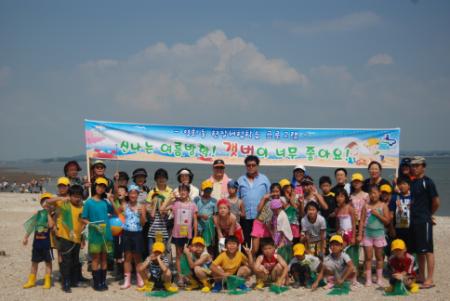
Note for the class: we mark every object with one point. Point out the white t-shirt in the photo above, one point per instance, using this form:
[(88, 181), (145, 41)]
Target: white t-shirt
[(313, 229), (311, 261), (338, 264)]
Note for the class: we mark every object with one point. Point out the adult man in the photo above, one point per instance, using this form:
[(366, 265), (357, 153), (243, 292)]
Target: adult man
[(424, 204), (252, 187), (220, 180)]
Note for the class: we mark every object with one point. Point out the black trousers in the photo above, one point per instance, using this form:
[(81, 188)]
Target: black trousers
[(247, 226), (70, 265)]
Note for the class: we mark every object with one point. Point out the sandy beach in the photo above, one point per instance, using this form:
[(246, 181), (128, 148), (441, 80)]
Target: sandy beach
[(16, 208)]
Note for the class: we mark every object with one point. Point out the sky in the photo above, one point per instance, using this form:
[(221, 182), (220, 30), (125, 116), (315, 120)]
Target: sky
[(305, 64)]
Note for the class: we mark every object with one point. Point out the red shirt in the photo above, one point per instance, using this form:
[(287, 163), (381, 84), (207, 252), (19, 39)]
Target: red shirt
[(400, 265)]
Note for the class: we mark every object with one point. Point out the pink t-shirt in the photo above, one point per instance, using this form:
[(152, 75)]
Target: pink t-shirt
[(358, 201), (183, 217)]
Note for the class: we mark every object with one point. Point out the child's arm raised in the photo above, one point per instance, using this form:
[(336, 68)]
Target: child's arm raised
[(162, 264), (263, 202), (249, 257), (320, 199), (168, 202)]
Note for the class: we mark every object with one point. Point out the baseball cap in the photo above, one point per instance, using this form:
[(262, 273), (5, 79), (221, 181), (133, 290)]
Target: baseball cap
[(63, 181), (418, 160), (357, 177), (158, 247), (284, 182), (206, 184), (218, 163), (198, 240), (101, 180), (336, 238), (299, 166), (46, 195), (386, 188), (398, 244), (233, 183), (99, 162), (299, 249)]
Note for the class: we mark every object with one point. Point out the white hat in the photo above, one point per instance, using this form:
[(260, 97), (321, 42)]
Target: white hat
[(184, 172), (299, 167)]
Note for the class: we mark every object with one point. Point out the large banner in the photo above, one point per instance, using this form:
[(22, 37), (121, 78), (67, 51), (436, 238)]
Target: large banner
[(274, 146)]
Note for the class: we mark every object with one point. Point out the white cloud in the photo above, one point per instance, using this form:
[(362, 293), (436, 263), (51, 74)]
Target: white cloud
[(214, 68), (350, 22), (380, 59), (5, 73)]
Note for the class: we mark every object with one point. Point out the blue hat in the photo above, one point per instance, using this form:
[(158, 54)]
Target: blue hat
[(133, 187), (233, 183)]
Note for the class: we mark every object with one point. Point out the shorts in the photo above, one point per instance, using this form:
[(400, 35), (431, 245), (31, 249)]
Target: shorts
[(100, 247), (347, 236), (132, 241), (39, 255), (378, 242), (295, 231), (260, 229), (180, 242), (118, 247), (422, 237), (405, 235)]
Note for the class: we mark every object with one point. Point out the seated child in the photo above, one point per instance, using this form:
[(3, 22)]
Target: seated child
[(231, 262), (270, 267), (402, 266), (337, 267), (159, 274), (226, 224), (302, 266), (40, 223), (199, 262), (314, 229)]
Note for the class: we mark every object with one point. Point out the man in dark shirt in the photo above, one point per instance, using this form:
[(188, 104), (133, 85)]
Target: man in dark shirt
[(425, 202)]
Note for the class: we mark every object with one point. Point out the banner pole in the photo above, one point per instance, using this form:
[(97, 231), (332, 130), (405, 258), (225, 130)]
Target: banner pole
[(88, 165)]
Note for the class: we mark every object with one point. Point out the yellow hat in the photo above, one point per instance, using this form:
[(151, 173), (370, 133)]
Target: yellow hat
[(398, 244), (158, 247), (299, 249), (198, 240), (63, 181), (101, 180), (336, 238), (46, 195), (284, 182), (207, 184), (386, 188), (357, 177)]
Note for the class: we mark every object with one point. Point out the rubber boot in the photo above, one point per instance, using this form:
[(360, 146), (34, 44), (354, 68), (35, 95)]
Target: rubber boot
[(148, 286), (103, 284), (47, 281), (139, 281), (193, 284), (206, 286), (66, 286), (170, 287), (127, 281), (31, 281), (380, 277), (96, 280), (118, 271)]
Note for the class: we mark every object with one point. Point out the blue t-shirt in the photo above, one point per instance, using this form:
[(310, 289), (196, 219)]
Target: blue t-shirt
[(97, 212), (206, 207), (251, 192)]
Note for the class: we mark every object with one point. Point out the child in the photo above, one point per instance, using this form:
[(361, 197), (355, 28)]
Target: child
[(386, 197), (185, 177), (400, 207), (185, 222), (132, 234), (337, 267), (330, 198), (226, 224), (345, 217), (206, 205), (231, 262), (199, 261), (311, 195), (314, 230), (140, 178), (270, 267), (402, 266), (261, 223), (95, 215), (236, 204), (157, 230), (290, 205), (120, 199), (40, 223), (69, 229), (98, 171), (280, 227), (374, 216), (303, 266), (159, 273)]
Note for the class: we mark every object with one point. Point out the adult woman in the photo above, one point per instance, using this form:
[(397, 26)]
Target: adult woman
[(375, 178)]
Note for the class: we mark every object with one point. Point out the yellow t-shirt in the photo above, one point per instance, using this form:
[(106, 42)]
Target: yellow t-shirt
[(230, 265), (62, 230)]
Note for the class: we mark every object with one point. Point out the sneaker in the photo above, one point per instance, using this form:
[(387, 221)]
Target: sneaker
[(296, 284), (244, 287), (259, 285), (217, 287)]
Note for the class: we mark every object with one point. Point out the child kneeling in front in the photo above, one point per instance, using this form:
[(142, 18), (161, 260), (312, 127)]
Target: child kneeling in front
[(337, 267), (199, 261), (159, 274), (270, 267), (401, 264), (302, 266), (231, 262)]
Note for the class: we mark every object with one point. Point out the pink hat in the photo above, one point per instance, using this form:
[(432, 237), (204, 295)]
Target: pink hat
[(276, 204)]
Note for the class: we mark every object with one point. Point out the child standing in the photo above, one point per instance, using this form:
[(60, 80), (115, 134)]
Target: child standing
[(290, 204), (237, 205), (374, 216), (303, 266), (311, 195), (95, 216), (400, 206), (206, 205), (270, 266), (345, 217), (69, 229), (157, 220), (199, 261), (314, 230), (159, 273), (120, 199), (330, 198), (185, 222), (40, 223), (132, 234), (280, 227)]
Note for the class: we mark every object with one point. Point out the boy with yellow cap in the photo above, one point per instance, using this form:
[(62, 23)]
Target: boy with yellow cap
[(155, 270), (302, 266), (401, 264), (337, 267), (199, 261), (206, 205), (40, 223)]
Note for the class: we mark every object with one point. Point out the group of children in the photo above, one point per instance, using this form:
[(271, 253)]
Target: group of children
[(300, 237)]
